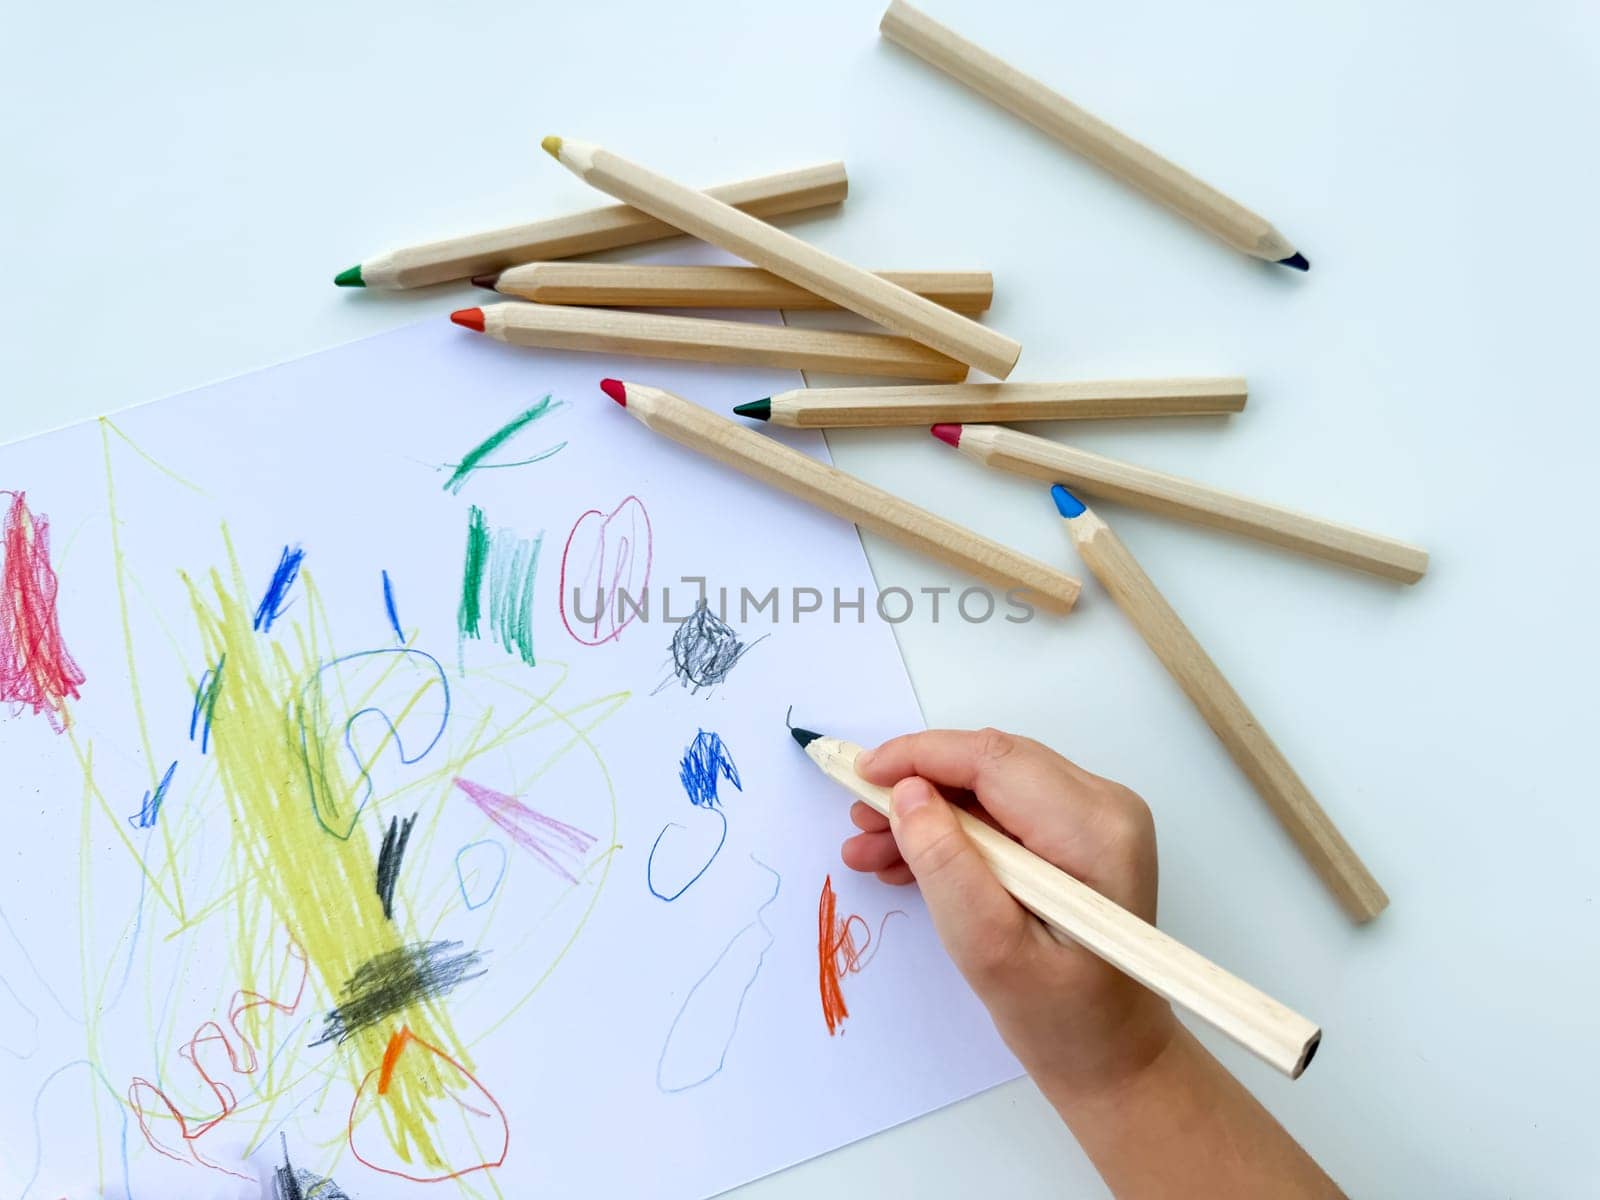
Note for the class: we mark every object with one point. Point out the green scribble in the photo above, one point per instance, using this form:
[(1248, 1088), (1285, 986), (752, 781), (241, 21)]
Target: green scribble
[(471, 610), (473, 459), (513, 566)]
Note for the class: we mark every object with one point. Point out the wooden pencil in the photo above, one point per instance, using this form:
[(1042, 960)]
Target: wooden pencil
[(785, 255), (854, 407), (1116, 152), (1074, 911), (1258, 756), (771, 462), (585, 232), (1187, 500), (702, 339), (649, 286)]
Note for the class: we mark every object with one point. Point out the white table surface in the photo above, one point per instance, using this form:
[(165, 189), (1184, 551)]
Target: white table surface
[(182, 182)]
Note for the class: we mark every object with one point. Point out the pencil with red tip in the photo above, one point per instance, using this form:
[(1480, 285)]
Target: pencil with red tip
[(1313, 831), (874, 510), (1187, 500)]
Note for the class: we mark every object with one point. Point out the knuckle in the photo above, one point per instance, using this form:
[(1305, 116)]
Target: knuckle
[(937, 854), (995, 745)]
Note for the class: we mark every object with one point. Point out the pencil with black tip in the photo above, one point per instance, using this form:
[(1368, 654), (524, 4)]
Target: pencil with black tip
[(1073, 910), (1132, 162), (828, 488), (1258, 756), (648, 285), (1078, 400), (785, 255), (585, 232), (704, 339), (1185, 499)]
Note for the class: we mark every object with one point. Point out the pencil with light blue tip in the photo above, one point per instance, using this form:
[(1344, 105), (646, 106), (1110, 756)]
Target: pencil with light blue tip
[(1258, 757)]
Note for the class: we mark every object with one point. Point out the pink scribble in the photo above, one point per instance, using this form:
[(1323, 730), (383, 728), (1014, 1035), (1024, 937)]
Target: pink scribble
[(598, 565), (531, 830), (35, 669)]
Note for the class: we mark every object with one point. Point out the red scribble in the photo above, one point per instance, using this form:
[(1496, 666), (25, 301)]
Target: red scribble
[(35, 668), (605, 569), (531, 830), (491, 1114), (838, 954), (242, 1060)]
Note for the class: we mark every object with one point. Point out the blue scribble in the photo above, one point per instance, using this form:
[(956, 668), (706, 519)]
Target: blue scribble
[(272, 604), (38, 1129), (312, 713), (205, 704), (389, 607), (8, 1027), (477, 850), (704, 763), (650, 863), (756, 928), (150, 809)]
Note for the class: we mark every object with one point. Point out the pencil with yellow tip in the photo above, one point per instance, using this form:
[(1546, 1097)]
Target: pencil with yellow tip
[(1313, 831), (878, 299)]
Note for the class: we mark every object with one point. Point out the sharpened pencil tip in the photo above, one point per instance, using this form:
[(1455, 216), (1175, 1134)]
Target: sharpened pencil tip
[(552, 146), (469, 318), (761, 410), (350, 277), (804, 737), (486, 282), (950, 435), (616, 389), (1067, 504), (1296, 260)]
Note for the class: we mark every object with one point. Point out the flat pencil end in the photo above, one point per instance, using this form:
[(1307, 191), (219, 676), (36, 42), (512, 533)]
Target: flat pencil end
[(1296, 260)]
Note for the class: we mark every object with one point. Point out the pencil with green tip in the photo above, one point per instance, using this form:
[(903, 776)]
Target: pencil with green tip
[(1313, 831), (707, 218), (1074, 911)]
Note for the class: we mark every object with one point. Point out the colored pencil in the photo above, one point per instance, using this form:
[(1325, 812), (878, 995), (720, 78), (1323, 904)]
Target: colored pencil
[(1074, 911), (1165, 633), (874, 510), (702, 339), (835, 408), (1131, 161), (1186, 500), (787, 256), (585, 232), (647, 286)]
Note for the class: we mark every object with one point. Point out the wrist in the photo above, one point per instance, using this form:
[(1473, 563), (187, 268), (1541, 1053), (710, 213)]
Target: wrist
[(1125, 1053)]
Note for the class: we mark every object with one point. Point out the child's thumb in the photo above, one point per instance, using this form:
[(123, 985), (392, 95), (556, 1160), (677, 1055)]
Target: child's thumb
[(973, 913)]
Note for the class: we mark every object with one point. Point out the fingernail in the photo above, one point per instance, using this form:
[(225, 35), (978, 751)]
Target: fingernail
[(910, 795)]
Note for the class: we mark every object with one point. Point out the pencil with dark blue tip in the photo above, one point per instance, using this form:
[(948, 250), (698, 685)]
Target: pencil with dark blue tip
[(1258, 757)]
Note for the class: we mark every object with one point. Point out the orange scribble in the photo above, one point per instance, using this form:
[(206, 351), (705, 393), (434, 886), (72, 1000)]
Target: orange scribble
[(242, 1060), (482, 1120), (391, 1055), (839, 954)]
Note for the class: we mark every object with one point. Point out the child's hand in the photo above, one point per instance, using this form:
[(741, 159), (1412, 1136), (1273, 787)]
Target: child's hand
[(1076, 1023)]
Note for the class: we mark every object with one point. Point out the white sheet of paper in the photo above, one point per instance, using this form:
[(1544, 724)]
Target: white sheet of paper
[(155, 1039)]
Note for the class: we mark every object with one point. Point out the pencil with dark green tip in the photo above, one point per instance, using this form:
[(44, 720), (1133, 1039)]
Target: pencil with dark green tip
[(585, 232)]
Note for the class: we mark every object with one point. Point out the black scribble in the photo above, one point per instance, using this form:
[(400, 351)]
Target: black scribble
[(387, 982), (394, 849), (705, 648), (296, 1183)]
